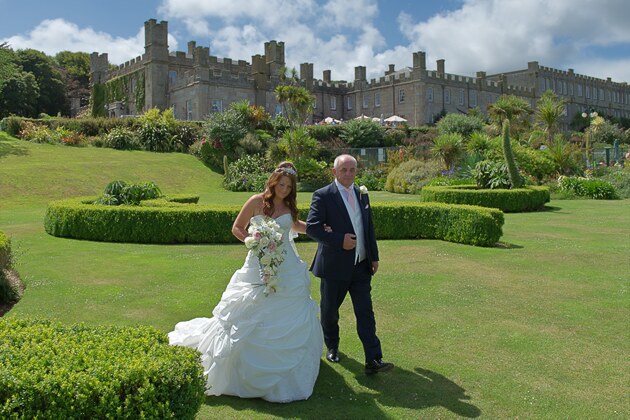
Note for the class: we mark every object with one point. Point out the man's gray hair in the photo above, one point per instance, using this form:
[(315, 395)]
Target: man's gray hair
[(344, 157)]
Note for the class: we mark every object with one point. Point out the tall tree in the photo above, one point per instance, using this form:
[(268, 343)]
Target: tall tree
[(75, 68), (296, 101), (52, 99), (549, 112), (18, 90)]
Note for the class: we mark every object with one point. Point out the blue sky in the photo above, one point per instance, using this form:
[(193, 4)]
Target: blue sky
[(590, 36)]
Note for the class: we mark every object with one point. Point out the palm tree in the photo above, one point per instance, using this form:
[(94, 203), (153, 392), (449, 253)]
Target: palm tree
[(296, 101), (448, 147), (549, 111)]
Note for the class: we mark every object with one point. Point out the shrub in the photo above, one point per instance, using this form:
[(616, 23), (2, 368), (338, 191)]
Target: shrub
[(12, 125), (312, 174), (38, 133), (119, 192), (491, 174), (249, 173), (154, 132), (619, 178), (185, 133), (409, 177), (324, 132), (462, 124), (588, 187), (297, 144), (50, 370), (373, 178), (362, 133), (8, 291), (226, 129), (121, 138), (513, 200)]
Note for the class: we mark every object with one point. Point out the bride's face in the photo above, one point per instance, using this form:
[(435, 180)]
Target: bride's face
[(283, 187)]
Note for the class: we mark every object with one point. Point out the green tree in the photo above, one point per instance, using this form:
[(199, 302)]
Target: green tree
[(362, 133), (512, 108), (463, 124), (52, 99), (297, 103), (18, 90), (75, 69), (549, 112)]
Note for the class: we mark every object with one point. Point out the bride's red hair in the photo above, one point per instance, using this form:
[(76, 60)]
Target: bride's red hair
[(284, 169)]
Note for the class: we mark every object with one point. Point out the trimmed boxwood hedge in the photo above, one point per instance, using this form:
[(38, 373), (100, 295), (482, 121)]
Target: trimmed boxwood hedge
[(509, 201), (162, 221), (5, 250), (50, 370)]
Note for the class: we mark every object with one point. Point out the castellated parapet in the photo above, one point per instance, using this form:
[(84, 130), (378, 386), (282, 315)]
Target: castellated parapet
[(195, 83)]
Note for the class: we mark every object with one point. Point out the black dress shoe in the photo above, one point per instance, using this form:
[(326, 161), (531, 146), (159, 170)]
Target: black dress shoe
[(332, 355), (376, 366)]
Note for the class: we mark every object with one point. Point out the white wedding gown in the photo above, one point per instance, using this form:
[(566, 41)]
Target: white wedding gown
[(256, 345)]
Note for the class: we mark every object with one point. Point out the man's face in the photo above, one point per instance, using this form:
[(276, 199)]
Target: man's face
[(345, 172)]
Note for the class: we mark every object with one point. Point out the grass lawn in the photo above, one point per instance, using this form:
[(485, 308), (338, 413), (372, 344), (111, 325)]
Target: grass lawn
[(535, 328)]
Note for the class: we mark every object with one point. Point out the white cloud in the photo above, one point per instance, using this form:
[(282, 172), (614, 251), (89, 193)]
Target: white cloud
[(503, 35), (52, 36), (347, 13)]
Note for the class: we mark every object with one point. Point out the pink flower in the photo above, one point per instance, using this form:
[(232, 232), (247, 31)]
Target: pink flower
[(272, 246), (257, 235)]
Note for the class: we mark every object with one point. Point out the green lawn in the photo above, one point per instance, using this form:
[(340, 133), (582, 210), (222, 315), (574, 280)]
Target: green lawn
[(535, 328)]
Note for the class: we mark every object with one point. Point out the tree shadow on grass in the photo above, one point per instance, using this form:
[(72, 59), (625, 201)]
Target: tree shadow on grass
[(506, 245), (12, 148)]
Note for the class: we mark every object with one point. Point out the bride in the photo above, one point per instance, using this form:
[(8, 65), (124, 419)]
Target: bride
[(262, 342)]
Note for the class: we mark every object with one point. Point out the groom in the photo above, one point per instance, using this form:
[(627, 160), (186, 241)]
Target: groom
[(346, 260)]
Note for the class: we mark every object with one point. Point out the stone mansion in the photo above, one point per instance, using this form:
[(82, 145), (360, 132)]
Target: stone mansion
[(195, 84)]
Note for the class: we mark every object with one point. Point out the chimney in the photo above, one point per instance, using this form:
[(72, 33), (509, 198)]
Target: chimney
[(440, 66), (420, 60), (327, 76), (391, 69)]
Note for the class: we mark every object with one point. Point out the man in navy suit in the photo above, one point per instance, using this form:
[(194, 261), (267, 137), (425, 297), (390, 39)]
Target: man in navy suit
[(340, 220)]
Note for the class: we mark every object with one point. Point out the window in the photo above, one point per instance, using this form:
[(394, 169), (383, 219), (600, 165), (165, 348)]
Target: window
[(595, 93), (377, 99), (349, 102), (461, 96), (217, 105), (189, 111), (365, 101), (579, 90), (333, 103), (172, 76), (473, 99), (564, 88), (447, 96), (571, 89), (430, 94), (542, 85), (588, 92), (401, 96), (601, 94), (314, 103)]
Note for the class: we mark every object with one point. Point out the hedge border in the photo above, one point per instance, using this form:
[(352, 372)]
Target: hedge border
[(531, 198), (52, 370), (5, 250), (161, 221)]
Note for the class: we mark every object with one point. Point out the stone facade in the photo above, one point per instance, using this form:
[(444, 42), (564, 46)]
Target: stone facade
[(195, 84)]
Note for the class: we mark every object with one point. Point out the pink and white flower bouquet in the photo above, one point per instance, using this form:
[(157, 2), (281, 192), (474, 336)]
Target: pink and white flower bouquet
[(265, 241)]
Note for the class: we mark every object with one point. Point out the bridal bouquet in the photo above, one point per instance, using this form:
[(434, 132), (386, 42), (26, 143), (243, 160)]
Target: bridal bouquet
[(265, 240)]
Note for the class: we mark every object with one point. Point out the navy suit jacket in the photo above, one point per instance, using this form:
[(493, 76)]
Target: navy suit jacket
[(331, 260)]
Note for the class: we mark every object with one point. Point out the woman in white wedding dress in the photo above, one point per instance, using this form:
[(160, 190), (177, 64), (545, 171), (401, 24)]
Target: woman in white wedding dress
[(258, 344)]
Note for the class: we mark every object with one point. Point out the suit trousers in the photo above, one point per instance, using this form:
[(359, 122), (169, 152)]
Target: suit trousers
[(333, 292)]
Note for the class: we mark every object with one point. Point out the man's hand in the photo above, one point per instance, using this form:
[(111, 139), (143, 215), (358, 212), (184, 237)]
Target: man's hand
[(374, 267), (349, 241)]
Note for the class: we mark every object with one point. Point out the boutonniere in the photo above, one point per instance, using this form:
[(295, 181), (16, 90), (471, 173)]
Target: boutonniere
[(362, 190)]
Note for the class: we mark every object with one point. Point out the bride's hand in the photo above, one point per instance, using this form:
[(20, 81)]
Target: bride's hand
[(327, 228)]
